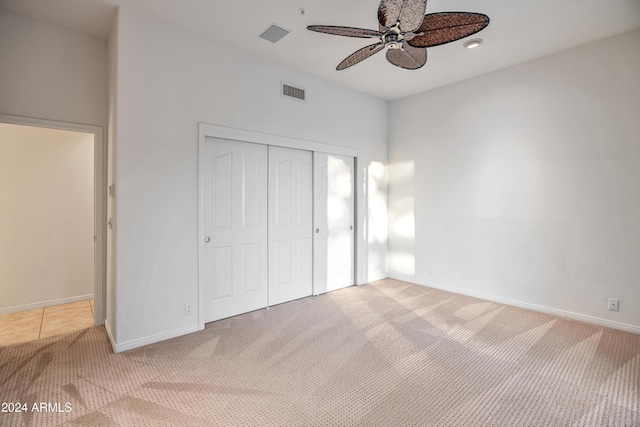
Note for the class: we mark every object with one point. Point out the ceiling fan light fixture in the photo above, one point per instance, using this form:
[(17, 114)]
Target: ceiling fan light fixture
[(472, 44)]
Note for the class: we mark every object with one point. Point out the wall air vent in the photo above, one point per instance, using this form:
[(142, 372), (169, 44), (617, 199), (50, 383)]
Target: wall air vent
[(293, 92), (274, 33)]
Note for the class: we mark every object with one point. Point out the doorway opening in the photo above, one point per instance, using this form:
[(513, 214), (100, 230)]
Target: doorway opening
[(51, 228)]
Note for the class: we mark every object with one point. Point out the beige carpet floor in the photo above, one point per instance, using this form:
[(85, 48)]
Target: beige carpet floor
[(385, 354)]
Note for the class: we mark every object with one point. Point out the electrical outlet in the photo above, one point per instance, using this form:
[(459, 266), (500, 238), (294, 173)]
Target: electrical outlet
[(613, 304), (187, 309)]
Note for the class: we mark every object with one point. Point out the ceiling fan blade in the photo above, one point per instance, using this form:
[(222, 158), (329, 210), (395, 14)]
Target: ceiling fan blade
[(409, 58), (360, 55), (408, 13), (412, 14), (446, 27), (388, 12), (345, 31)]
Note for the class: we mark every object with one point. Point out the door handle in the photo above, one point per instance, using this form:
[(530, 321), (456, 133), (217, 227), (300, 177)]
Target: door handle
[(351, 227), (317, 230), (207, 239)]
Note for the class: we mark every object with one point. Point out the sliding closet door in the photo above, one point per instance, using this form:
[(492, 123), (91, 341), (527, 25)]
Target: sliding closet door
[(234, 240), (290, 224), (333, 222)]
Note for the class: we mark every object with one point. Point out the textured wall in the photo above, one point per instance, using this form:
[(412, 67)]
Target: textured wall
[(522, 184), (51, 73), (169, 80)]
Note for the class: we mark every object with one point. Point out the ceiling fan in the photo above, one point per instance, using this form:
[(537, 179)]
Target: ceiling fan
[(407, 32)]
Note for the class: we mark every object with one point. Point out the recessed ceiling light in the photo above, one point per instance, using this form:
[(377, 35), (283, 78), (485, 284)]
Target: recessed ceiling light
[(470, 44)]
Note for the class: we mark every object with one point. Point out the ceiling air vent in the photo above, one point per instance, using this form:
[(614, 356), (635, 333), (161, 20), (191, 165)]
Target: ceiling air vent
[(293, 92), (274, 33)]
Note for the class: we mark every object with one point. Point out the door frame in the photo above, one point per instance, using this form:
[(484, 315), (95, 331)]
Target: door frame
[(215, 131), (99, 197)]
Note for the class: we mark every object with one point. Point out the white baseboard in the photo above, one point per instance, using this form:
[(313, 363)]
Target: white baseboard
[(42, 304), (151, 339), (534, 307), (371, 279)]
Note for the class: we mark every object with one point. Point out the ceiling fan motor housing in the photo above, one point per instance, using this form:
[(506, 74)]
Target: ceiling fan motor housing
[(392, 40)]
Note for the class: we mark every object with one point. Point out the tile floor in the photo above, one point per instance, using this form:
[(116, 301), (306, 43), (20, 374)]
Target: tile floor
[(45, 322)]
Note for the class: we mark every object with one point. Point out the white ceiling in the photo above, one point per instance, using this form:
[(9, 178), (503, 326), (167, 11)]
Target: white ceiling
[(519, 31)]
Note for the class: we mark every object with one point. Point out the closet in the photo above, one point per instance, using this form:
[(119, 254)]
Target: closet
[(276, 224)]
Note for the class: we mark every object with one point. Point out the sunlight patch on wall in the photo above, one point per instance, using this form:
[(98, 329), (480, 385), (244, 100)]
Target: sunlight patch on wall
[(402, 218), (403, 263), (377, 202)]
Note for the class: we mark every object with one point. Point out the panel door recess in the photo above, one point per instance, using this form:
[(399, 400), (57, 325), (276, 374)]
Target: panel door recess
[(234, 240), (333, 245), (290, 224)]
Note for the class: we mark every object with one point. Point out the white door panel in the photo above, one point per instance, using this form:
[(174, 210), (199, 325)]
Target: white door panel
[(235, 212), (290, 224), (334, 218), (263, 253)]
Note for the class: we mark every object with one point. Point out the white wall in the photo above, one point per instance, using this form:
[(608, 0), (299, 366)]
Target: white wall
[(522, 185), (46, 216), (168, 80), (51, 73), (112, 136)]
